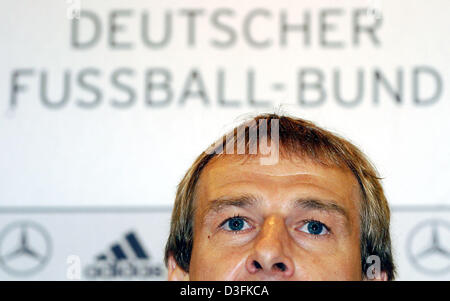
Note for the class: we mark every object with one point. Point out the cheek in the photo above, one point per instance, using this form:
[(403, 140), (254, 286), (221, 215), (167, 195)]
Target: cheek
[(342, 265), (341, 261), (215, 261)]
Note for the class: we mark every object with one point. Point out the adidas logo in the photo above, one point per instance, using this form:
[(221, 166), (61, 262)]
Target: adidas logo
[(130, 247), (125, 259)]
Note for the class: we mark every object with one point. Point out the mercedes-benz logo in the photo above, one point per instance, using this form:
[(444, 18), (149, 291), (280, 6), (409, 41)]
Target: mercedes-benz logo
[(24, 248), (428, 247)]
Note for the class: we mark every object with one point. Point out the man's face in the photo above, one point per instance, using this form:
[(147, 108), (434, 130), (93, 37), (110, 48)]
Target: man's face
[(295, 220)]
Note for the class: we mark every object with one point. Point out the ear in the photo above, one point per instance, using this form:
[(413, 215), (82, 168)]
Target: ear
[(382, 277), (175, 272)]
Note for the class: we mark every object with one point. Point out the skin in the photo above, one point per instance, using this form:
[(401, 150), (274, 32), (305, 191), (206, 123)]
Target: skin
[(275, 204)]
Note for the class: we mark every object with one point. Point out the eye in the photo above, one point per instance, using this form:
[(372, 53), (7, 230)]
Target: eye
[(314, 228), (235, 224)]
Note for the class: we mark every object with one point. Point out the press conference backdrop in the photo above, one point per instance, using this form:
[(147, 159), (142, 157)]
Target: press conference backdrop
[(105, 104)]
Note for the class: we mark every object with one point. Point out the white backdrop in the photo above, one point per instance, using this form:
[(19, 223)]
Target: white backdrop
[(105, 104)]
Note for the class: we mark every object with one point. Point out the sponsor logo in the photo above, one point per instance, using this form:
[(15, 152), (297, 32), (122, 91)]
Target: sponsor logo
[(428, 247), (125, 259), (25, 248)]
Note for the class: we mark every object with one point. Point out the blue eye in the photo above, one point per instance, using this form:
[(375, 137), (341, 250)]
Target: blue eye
[(314, 228), (235, 224)]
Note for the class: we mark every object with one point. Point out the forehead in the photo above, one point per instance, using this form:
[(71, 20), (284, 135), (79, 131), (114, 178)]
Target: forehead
[(275, 184)]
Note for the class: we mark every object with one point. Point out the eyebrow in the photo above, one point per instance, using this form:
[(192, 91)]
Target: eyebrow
[(246, 201), (322, 205), (242, 201)]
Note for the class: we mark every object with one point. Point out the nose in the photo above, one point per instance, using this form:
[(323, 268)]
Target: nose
[(268, 256)]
